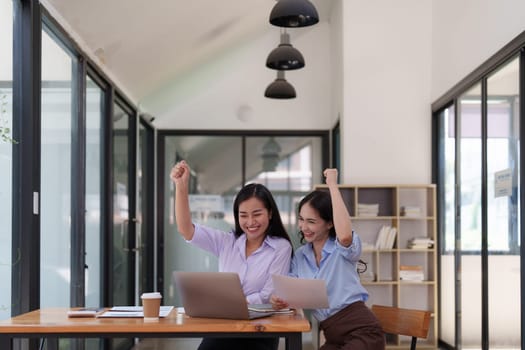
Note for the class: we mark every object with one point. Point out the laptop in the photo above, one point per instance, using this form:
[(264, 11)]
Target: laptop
[(213, 295)]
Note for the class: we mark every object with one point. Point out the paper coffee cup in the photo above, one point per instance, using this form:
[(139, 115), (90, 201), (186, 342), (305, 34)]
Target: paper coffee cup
[(151, 305)]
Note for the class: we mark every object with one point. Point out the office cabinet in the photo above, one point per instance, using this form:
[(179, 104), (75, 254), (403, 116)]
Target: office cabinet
[(397, 225)]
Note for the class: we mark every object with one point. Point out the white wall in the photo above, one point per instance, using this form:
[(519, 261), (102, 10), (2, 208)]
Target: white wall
[(387, 65), (466, 33)]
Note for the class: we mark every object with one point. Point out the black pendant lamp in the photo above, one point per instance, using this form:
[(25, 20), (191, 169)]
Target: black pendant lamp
[(285, 56), (280, 88), (294, 13)]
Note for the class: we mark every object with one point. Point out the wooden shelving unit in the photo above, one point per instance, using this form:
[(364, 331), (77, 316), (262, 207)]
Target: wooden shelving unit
[(387, 286)]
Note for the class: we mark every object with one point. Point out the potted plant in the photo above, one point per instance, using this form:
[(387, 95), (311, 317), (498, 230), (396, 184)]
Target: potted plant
[(5, 130)]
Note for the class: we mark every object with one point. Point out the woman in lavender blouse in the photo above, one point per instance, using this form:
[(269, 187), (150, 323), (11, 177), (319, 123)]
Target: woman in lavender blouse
[(257, 248)]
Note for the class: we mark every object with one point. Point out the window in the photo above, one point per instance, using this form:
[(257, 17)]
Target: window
[(478, 170), (55, 213), (6, 69)]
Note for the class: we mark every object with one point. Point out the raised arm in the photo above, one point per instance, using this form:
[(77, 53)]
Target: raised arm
[(342, 222), (180, 175)]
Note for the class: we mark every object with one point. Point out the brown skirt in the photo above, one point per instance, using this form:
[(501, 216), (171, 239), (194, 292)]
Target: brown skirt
[(355, 327)]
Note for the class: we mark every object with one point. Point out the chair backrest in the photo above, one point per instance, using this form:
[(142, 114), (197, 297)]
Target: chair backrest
[(394, 320)]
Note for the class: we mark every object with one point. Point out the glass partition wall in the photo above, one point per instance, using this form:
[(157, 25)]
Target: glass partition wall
[(469, 236), (478, 147), (288, 165), (6, 158), (95, 97), (55, 196), (57, 186), (503, 206)]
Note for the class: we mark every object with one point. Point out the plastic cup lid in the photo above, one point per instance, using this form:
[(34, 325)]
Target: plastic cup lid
[(152, 295)]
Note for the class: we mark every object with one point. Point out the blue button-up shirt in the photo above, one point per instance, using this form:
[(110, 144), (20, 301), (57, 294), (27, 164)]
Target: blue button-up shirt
[(255, 271), (338, 267)]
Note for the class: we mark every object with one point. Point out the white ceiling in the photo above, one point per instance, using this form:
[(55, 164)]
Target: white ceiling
[(148, 45)]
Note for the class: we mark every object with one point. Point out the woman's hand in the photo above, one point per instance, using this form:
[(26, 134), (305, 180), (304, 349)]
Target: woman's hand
[(180, 173), (330, 176), (278, 303)]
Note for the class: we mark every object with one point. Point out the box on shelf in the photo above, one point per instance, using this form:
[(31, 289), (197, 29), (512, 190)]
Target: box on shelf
[(420, 243), (411, 273)]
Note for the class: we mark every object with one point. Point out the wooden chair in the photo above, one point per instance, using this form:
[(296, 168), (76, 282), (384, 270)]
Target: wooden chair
[(398, 321)]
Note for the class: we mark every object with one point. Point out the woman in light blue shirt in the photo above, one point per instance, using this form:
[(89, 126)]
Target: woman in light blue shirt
[(331, 253), (257, 248)]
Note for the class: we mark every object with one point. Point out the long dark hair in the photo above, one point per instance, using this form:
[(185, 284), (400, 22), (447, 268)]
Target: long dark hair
[(275, 227), (319, 200), (322, 202)]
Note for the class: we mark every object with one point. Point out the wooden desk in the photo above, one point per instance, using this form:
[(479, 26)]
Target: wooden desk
[(53, 323)]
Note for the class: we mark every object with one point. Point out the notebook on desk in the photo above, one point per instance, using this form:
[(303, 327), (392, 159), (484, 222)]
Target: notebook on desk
[(213, 295)]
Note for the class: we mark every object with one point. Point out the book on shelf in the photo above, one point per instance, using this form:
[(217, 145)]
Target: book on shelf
[(391, 239), (386, 237), (410, 211), (411, 273), (420, 243), (368, 210)]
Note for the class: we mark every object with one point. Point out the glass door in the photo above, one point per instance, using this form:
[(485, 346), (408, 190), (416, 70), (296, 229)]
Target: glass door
[(468, 237), (93, 224), (55, 193), (122, 251), (503, 210), (93, 289), (447, 222), (479, 158)]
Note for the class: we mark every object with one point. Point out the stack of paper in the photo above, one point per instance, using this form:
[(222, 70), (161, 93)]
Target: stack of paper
[(85, 312), (420, 243), (367, 209), (269, 308), (386, 237), (301, 293), (412, 273), (411, 211), (133, 311)]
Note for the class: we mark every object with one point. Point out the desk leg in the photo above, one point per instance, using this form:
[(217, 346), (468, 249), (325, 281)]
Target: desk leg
[(294, 341), (51, 343), (6, 342)]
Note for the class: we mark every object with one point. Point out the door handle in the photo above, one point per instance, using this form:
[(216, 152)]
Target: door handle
[(124, 235)]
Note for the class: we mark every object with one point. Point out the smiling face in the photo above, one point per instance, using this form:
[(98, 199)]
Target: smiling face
[(314, 228), (254, 219)]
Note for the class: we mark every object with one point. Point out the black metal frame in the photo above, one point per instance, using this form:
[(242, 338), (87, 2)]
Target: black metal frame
[(149, 190), (26, 156)]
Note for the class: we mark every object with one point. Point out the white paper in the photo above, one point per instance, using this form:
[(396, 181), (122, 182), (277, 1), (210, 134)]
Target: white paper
[(503, 183), (301, 293), (133, 311)]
